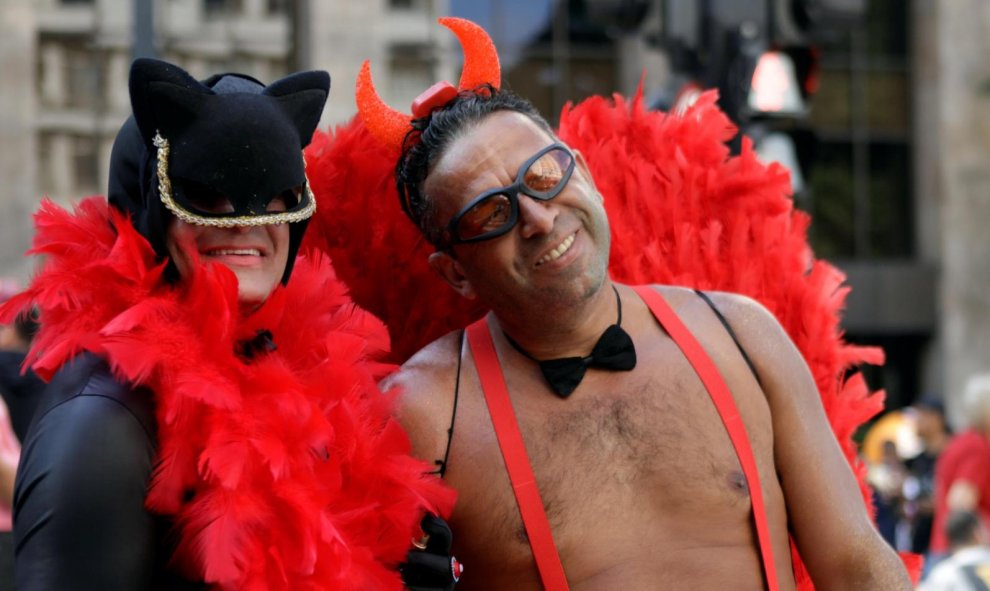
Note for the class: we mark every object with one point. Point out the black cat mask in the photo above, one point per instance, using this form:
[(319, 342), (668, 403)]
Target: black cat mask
[(223, 152)]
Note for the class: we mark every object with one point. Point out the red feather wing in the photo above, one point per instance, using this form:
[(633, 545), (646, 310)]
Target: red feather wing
[(712, 221), (682, 211)]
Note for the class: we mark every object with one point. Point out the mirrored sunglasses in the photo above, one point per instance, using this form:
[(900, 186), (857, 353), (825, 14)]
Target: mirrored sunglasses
[(493, 213)]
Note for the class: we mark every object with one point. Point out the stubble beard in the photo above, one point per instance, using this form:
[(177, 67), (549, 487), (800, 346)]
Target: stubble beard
[(570, 294), (567, 295)]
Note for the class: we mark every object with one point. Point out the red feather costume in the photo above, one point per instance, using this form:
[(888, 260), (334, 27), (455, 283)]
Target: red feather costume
[(301, 479), (681, 210)]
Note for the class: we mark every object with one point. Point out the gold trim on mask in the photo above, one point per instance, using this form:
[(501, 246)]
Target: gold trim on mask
[(165, 191)]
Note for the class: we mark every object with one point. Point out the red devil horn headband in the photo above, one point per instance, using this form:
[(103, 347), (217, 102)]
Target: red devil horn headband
[(480, 67)]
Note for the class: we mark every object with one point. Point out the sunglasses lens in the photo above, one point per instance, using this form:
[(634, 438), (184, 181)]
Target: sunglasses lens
[(486, 216), (543, 179), (545, 176)]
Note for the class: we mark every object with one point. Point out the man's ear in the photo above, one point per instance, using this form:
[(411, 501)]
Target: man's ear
[(451, 271), (582, 165)]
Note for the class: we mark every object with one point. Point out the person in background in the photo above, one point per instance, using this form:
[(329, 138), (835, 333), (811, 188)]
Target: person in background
[(20, 388), (968, 566), (962, 471), (19, 385), (887, 478), (10, 454), (919, 488)]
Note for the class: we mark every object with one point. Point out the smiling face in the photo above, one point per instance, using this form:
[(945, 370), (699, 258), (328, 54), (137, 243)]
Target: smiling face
[(557, 253), (257, 255)]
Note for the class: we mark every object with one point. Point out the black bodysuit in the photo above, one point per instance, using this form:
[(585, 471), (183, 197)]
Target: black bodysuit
[(80, 521)]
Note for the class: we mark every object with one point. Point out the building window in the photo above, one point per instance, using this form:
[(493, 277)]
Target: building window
[(86, 171), (84, 78), (218, 8), (861, 199), (278, 6), (69, 164), (46, 156), (71, 73), (411, 70)]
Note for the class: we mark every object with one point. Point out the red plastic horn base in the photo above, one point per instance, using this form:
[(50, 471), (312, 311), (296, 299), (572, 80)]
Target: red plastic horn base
[(433, 97)]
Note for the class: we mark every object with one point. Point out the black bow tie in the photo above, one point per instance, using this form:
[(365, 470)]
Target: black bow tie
[(614, 350)]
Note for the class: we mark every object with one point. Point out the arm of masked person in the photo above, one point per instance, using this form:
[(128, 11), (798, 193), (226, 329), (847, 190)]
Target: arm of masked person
[(79, 518), (431, 567), (425, 388), (826, 513)]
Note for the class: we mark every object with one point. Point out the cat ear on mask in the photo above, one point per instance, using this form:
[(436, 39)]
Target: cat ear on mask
[(301, 97), (163, 97), (166, 98)]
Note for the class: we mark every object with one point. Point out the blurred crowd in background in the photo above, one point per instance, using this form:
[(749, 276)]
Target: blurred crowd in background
[(931, 487)]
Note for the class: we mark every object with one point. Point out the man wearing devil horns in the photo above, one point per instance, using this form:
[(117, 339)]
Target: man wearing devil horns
[(603, 436), (212, 419)]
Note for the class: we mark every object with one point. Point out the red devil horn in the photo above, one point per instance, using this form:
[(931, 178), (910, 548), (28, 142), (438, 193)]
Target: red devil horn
[(480, 67), (384, 122), (480, 57)]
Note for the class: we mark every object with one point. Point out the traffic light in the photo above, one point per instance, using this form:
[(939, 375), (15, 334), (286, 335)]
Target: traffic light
[(763, 57), (716, 44), (780, 92)]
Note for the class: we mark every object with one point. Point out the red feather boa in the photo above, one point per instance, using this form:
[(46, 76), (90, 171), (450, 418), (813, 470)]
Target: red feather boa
[(302, 480), (682, 212), (377, 252)]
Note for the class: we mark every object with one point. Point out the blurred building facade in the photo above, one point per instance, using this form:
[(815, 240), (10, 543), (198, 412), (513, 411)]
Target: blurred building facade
[(899, 187)]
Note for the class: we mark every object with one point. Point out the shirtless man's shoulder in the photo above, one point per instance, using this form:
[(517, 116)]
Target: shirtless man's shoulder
[(827, 517), (758, 332), (425, 386)]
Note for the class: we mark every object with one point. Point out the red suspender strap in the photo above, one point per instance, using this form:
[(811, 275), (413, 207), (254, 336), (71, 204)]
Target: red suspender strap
[(510, 441), (727, 410)]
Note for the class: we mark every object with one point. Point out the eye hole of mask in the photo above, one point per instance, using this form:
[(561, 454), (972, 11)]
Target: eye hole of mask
[(285, 200), (205, 198), (210, 201)]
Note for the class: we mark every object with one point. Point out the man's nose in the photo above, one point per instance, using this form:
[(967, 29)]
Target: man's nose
[(535, 217)]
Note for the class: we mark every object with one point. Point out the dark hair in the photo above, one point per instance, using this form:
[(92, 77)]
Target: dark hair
[(961, 528), (26, 325), (433, 134)]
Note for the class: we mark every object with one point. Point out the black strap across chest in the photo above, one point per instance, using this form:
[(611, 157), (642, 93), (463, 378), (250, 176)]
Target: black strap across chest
[(442, 464)]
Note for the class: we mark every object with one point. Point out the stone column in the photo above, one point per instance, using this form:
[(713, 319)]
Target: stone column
[(963, 142), (926, 148), (18, 189)]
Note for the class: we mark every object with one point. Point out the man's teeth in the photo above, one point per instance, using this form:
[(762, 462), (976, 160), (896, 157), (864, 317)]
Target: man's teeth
[(555, 253), (235, 251)]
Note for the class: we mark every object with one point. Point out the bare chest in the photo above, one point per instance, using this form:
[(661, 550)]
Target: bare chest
[(653, 442), (638, 457)]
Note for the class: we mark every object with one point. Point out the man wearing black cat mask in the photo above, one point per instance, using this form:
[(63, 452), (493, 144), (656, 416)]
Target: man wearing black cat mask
[(209, 423)]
